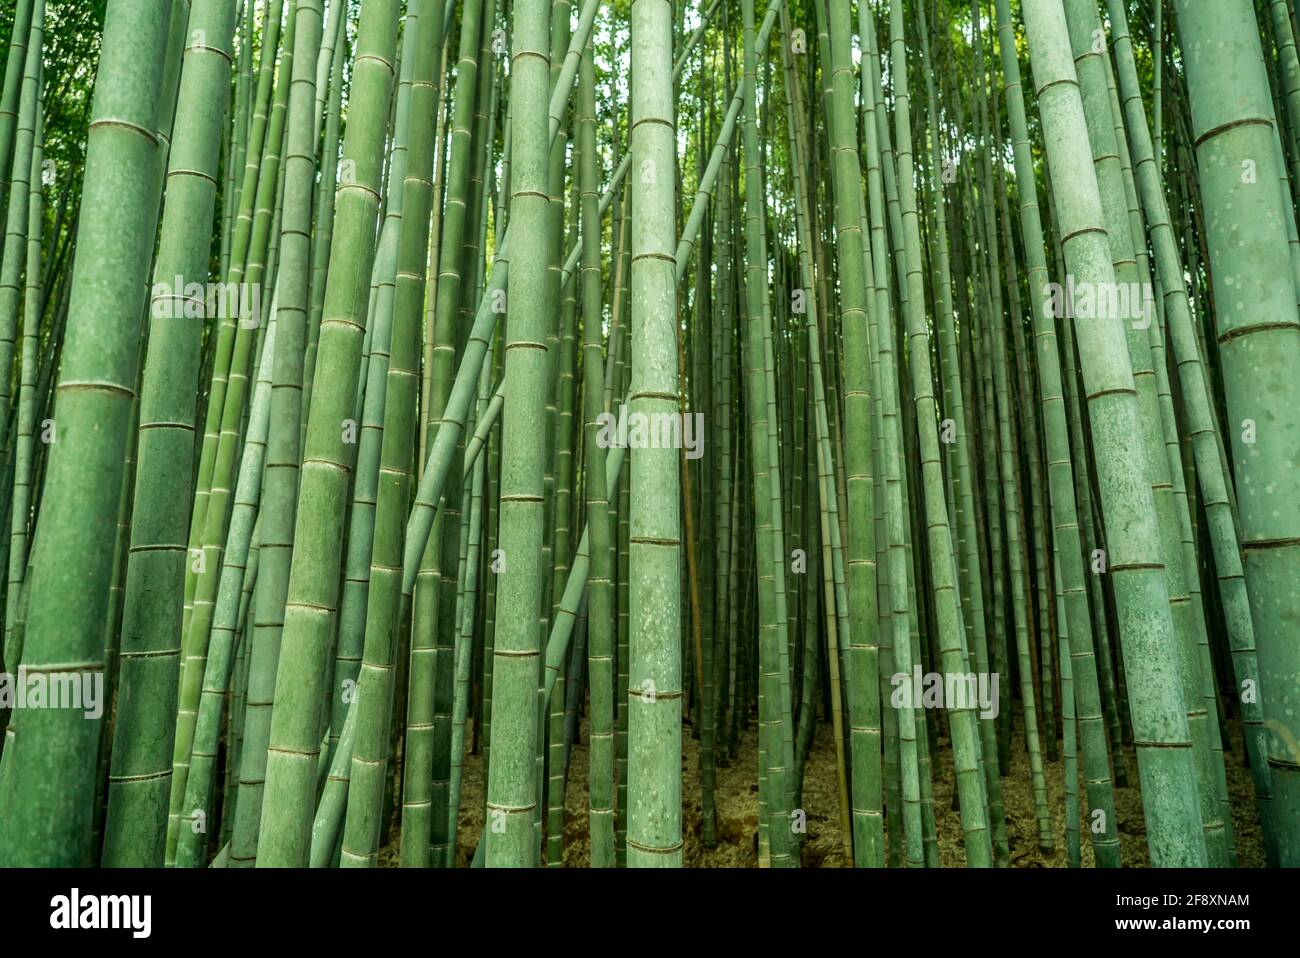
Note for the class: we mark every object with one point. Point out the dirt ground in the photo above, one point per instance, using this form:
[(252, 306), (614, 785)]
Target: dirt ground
[(736, 794)]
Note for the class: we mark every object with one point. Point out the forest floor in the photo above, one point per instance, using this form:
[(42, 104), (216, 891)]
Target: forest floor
[(736, 792)]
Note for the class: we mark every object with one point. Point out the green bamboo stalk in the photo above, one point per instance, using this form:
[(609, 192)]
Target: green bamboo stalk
[(892, 604), (15, 192), (294, 289), (324, 222), (264, 648), (832, 570), (313, 581), (1006, 468), (152, 621), (24, 454), (192, 842), (512, 786), (965, 733), (425, 835), (1165, 759), (600, 609), (26, 422), (776, 796), (226, 328), (11, 94), (51, 763), (852, 248), (970, 573), (1201, 423), (654, 832), (237, 133), (1060, 473), (1257, 347), (1204, 689), (361, 834), (1085, 27)]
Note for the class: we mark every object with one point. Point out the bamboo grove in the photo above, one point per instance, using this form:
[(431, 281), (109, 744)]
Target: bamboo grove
[(459, 433)]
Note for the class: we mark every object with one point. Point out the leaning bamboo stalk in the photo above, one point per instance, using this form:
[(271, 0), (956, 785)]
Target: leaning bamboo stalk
[(313, 580), (1060, 472), (1201, 424), (226, 328), (1082, 21), (196, 810), (1165, 759)]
